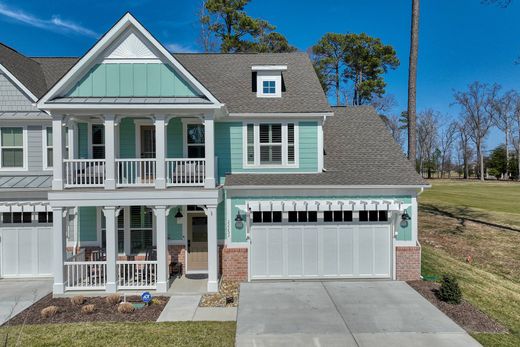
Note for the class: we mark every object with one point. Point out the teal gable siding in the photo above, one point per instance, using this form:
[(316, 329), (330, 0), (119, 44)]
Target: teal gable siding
[(127, 138), (229, 149), (87, 222), (239, 235), (127, 79)]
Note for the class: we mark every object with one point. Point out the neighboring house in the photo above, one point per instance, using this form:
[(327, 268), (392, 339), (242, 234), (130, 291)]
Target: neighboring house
[(231, 165)]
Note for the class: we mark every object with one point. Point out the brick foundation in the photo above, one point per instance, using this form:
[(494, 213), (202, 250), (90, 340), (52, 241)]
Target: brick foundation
[(408, 263), (234, 264)]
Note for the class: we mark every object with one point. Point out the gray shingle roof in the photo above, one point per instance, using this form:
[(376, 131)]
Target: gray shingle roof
[(359, 151), (54, 68), (229, 78)]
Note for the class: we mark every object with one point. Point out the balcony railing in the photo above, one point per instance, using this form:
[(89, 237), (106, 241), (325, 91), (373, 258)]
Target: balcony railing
[(140, 172)]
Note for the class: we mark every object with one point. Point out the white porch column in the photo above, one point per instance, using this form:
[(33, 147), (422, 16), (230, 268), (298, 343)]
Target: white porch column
[(58, 243), (111, 242), (110, 152), (211, 212), (161, 213), (209, 148), (58, 140), (160, 151)]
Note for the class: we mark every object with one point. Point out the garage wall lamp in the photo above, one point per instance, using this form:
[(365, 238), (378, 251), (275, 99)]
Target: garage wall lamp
[(405, 217)]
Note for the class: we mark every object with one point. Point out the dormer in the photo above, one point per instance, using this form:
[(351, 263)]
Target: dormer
[(269, 80)]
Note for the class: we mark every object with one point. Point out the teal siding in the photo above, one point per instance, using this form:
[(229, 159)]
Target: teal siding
[(174, 229), (229, 149), (138, 80), (83, 140), (127, 138), (239, 235), (221, 221), (174, 138), (87, 217)]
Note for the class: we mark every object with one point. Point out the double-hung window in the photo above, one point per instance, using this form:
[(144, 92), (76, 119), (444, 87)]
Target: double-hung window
[(195, 142), (271, 144), (98, 141), (48, 147), (12, 148)]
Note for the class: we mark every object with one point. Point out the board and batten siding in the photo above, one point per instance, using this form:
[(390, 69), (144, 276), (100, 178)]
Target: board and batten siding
[(239, 235), (12, 99), (229, 148), (132, 80)]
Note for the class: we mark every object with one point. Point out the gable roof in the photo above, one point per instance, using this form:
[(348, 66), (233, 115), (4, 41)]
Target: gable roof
[(229, 78), (359, 151)]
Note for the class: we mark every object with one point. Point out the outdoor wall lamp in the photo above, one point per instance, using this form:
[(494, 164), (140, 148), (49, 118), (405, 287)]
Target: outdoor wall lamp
[(178, 214), (405, 217), (239, 221)]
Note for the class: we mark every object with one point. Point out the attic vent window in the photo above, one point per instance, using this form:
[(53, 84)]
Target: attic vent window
[(269, 87), (268, 80)]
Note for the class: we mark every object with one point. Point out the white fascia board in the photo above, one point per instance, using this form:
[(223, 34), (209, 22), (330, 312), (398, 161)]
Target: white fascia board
[(20, 85), (122, 107), (126, 21), (283, 115), (328, 187), (269, 67)]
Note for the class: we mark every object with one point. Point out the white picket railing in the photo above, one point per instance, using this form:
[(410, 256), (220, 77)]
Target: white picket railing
[(84, 172), (139, 274), (185, 172), (85, 275), (135, 172)]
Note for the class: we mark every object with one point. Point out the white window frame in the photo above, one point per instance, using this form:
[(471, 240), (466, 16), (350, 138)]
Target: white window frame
[(256, 141), (91, 144), (185, 123), (269, 76), (25, 149), (46, 146)]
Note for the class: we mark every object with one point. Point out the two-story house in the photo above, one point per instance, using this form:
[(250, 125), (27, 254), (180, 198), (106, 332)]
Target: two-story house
[(132, 159)]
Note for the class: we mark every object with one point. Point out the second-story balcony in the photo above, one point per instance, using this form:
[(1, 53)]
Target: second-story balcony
[(134, 172)]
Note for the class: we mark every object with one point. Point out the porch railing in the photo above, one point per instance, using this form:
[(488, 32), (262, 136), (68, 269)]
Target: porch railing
[(85, 275), (185, 172), (139, 274), (135, 172), (84, 172)]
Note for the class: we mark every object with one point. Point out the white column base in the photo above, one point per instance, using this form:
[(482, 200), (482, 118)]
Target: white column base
[(209, 182), (212, 286), (57, 184), (162, 287), (111, 287), (58, 288), (110, 184), (160, 183)]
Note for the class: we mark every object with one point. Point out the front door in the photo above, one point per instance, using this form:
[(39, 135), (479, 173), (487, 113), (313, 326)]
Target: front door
[(147, 141), (197, 243)]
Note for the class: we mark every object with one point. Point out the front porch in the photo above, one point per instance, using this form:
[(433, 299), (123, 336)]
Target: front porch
[(127, 248)]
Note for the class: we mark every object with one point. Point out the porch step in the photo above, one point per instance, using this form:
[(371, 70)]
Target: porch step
[(180, 308)]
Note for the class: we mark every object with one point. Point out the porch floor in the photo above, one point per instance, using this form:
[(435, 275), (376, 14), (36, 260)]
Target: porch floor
[(188, 285)]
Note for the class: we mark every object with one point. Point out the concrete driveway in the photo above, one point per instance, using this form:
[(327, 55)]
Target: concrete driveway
[(378, 313), (17, 295)]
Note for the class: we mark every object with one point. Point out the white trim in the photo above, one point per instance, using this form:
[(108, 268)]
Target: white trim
[(18, 83), (266, 76), (284, 144), (127, 21), (185, 122), (325, 186), (25, 149), (277, 115), (269, 67)]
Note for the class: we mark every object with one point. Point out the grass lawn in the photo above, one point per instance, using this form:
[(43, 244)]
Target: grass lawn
[(122, 334), (496, 202)]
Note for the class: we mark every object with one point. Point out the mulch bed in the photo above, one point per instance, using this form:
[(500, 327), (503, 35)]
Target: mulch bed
[(104, 312), (464, 314), (228, 289)]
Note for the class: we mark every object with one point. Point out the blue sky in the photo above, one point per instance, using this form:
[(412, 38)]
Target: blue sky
[(460, 41)]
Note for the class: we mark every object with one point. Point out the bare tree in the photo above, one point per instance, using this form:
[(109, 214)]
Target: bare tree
[(464, 147), (515, 132), (446, 139), (476, 104), (412, 81), (503, 117), (206, 38), (394, 126), (384, 103), (427, 128)]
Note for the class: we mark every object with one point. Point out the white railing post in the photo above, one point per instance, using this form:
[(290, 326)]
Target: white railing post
[(160, 151), (58, 149), (162, 248), (209, 137), (110, 151), (58, 226), (211, 213), (111, 250)]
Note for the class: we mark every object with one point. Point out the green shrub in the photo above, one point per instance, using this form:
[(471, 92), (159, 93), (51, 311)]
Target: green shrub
[(450, 291)]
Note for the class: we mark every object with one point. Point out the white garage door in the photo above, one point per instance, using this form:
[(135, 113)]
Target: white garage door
[(320, 251), (25, 251)]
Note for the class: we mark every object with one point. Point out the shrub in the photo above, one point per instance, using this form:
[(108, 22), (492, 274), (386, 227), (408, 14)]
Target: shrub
[(156, 301), (125, 307), (77, 300), (88, 309), (113, 299), (450, 291), (49, 311)]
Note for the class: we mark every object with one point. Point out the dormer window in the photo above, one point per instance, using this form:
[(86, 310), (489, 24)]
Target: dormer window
[(267, 80)]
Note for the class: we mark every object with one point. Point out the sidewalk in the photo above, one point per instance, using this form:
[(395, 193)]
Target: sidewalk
[(186, 308)]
